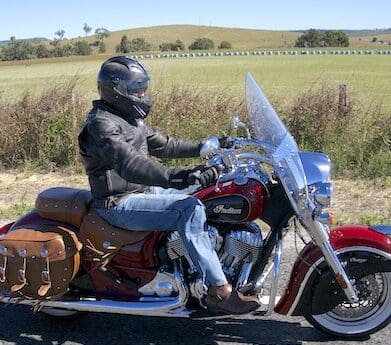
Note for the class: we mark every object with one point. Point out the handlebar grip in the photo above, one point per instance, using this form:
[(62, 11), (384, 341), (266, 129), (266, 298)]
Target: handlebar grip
[(194, 177)]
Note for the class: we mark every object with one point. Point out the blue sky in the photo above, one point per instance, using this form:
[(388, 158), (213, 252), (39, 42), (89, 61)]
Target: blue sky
[(42, 18)]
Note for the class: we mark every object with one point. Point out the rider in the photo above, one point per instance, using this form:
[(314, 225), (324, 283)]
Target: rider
[(115, 144)]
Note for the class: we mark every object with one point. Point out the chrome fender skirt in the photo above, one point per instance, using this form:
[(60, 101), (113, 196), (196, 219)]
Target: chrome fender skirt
[(310, 264)]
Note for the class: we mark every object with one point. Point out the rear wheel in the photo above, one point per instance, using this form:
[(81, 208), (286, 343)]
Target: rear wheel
[(355, 320)]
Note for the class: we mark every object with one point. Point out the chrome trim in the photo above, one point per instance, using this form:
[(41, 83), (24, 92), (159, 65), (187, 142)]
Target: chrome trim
[(161, 308), (244, 274), (323, 192), (320, 234), (162, 285), (149, 307), (255, 156), (275, 276), (320, 260), (209, 147)]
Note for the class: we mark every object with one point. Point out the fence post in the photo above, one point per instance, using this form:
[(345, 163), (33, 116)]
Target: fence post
[(343, 98)]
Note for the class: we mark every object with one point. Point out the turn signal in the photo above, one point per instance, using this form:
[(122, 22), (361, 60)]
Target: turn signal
[(326, 218)]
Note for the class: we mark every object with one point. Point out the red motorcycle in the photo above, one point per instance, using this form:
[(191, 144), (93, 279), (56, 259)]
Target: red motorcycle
[(63, 259)]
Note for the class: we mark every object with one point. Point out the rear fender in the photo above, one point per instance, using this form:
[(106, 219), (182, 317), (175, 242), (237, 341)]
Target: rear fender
[(310, 268)]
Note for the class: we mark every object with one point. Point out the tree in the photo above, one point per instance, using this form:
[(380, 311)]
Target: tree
[(82, 48), (374, 39), (139, 45), (123, 46), (42, 51), (225, 45), (87, 29), (17, 50), (176, 46), (309, 39), (102, 47), (335, 38), (101, 34), (60, 33), (331, 38), (202, 43)]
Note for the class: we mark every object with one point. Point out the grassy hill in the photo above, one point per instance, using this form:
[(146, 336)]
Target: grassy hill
[(240, 38)]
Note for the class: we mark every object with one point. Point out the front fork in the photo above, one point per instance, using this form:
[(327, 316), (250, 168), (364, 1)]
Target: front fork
[(320, 235)]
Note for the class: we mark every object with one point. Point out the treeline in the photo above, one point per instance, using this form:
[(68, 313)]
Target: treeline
[(141, 45), (24, 50), (316, 38), (32, 49)]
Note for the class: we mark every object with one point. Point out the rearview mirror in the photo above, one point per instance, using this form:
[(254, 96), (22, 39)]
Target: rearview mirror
[(237, 128), (209, 147)]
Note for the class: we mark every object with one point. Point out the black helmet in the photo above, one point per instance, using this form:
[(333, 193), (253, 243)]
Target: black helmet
[(122, 83)]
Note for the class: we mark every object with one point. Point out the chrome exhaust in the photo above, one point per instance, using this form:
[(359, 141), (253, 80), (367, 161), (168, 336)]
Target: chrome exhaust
[(159, 307), (147, 306)]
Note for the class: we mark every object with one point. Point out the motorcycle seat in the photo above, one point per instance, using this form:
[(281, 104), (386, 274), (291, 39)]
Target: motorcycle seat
[(67, 205), (104, 236), (72, 206)]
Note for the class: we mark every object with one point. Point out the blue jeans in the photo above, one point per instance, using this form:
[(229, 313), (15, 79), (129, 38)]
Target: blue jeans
[(171, 210)]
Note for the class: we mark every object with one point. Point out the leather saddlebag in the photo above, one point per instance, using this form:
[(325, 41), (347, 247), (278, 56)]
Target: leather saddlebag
[(39, 264)]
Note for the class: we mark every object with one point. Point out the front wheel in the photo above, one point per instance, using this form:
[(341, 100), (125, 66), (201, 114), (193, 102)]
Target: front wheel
[(356, 320)]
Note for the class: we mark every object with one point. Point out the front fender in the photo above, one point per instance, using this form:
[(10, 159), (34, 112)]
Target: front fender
[(306, 269)]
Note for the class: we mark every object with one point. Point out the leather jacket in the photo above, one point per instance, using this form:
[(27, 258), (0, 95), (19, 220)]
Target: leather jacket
[(115, 150)]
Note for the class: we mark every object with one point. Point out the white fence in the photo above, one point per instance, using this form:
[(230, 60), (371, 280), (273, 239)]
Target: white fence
[(262, 52)]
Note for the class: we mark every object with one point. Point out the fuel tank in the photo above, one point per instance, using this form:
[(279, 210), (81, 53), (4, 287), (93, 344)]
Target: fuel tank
[(233, 203)]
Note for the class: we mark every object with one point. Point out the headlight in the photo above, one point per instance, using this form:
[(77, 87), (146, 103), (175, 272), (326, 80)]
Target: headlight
[(322, 193)]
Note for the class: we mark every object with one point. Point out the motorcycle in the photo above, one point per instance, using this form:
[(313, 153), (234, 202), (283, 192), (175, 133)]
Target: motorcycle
[(340, 281)]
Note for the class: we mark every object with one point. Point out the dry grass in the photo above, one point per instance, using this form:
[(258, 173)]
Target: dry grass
[(355, 202), (362, 201)]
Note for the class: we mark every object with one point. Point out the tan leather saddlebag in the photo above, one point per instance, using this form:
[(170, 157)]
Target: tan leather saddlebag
[(39, 264)]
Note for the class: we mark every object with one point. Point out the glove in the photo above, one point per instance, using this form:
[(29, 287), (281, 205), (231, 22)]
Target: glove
[(226, 142), (183, 178), (208, 176)]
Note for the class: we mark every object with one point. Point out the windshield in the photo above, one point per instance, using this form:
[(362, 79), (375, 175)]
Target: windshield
[(280, 145)]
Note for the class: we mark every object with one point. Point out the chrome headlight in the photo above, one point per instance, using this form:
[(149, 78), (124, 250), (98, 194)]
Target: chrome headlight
[(322, 192)]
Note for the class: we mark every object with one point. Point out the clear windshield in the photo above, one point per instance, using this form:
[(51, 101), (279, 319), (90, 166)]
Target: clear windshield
[(281, 146)]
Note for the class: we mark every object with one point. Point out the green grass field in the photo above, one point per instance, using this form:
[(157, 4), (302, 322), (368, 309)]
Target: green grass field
[(282, 77)]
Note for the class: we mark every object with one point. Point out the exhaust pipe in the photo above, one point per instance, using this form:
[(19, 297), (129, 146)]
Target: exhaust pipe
[(148, 307)]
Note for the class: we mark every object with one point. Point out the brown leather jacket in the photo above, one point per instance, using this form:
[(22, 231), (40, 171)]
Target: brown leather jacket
[(116, 153)]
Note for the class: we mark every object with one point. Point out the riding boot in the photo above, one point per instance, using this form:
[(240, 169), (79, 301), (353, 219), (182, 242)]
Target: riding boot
[(222, 299)]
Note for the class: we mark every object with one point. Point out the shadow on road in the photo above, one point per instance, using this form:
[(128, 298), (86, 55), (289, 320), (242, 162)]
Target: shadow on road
[(20, 326)]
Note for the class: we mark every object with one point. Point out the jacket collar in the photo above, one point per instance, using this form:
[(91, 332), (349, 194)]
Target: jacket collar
[(102, 105)]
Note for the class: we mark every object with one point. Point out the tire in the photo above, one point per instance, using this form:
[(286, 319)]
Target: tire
[(358, 320)]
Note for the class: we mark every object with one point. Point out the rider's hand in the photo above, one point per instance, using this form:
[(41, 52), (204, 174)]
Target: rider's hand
[(183, 178), (208, 176), (226, 142)]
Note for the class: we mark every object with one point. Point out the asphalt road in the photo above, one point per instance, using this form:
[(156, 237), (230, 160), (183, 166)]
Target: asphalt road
[(19, 325)]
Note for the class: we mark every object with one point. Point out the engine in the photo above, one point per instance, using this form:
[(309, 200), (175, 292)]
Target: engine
[(238, 250)]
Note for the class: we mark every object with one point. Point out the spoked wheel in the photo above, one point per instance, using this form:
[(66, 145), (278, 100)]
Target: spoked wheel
[(355, 320)]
